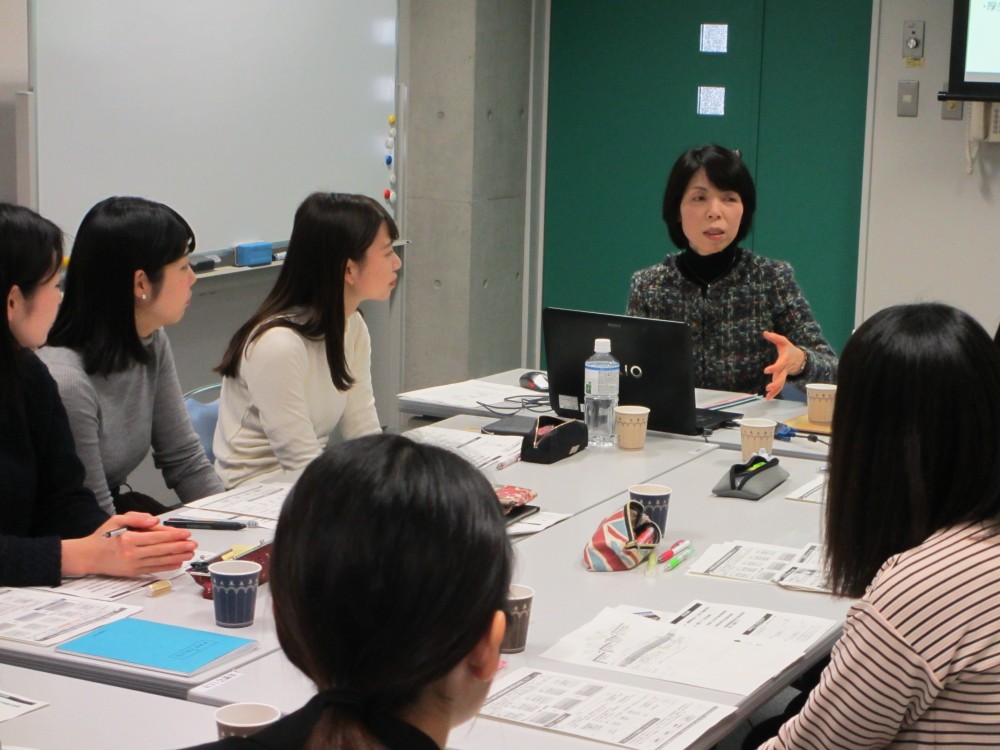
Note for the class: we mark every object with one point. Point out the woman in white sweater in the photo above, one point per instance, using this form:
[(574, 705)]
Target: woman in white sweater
[(913, 529), (300, 368)]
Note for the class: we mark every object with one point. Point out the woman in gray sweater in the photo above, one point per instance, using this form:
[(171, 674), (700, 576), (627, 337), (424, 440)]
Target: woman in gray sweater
[(128, 277)]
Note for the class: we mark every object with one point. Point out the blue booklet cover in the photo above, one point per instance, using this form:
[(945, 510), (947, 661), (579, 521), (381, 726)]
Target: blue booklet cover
[(166, 648)]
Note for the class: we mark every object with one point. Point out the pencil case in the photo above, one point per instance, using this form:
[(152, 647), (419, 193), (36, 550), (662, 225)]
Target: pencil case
[(553, 439), (751, 480), (623, 540), (511, 497), (259, 554)]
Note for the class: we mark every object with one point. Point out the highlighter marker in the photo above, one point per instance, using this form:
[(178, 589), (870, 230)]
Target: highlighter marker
[(675, 549), (677, 559)]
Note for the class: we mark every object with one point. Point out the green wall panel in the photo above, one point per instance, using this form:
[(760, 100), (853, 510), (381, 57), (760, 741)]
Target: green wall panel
[(622, 97)]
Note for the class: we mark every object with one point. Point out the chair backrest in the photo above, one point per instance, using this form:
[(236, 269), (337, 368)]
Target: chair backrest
[(203, 408)]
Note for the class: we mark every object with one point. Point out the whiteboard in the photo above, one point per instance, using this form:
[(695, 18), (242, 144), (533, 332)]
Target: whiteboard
[(230, 111)]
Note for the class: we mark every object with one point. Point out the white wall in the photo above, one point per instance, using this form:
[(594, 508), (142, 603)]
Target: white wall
[(13, 78), (933, 231)]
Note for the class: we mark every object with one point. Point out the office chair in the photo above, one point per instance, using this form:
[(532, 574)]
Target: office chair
[(203, 408)]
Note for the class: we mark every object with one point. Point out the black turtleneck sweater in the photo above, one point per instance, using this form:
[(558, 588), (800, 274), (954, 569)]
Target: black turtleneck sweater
[(705, 270)]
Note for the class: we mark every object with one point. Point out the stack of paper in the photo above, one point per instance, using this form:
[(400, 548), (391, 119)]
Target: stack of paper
[(620, 715), (813, 491), (44, 618), (800, 569), (251, 501), (482, 451), (716, 646)]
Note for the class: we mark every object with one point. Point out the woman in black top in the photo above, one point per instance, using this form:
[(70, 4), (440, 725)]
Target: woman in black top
[(50, 525), (389, 575)]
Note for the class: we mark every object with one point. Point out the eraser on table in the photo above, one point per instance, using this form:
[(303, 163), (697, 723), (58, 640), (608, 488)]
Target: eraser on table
[(158, 588)]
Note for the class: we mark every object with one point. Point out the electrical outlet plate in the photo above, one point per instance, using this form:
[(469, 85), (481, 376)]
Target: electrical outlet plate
[(913, 40), (907, 98)]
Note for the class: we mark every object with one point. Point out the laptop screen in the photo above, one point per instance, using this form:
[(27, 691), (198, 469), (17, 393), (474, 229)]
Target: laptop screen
[(655, 358)]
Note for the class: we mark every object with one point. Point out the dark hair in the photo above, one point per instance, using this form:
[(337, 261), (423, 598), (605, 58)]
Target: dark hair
[(31, 253), (916, 437), (117, 237), (389, 562), (329, 230), (725, 169)]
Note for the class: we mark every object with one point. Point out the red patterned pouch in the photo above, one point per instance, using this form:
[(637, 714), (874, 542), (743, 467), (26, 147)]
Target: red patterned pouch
[(622, 541)]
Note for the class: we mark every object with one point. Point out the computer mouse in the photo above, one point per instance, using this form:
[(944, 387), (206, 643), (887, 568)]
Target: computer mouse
[(535, 381)]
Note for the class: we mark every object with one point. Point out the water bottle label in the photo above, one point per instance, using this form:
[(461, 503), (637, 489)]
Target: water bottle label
[(600, 381)]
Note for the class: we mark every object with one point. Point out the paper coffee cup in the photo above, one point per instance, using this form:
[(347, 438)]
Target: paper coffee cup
[(631, 423), (820, 398), (756, 434), (515, 638), (244, 719), (655, 498), (234, 592)]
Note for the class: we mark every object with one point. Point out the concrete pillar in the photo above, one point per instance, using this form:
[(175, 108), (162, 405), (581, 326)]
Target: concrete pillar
[(466, 64)]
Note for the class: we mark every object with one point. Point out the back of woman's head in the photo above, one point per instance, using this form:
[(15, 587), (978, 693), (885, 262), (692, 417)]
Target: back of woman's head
[(916, 437), (117, 237), (390, 560), (329, 229), (725, 169), (31, 251)]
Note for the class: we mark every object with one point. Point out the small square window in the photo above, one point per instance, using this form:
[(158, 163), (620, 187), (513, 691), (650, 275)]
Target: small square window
[(714, 38), (712, 100)]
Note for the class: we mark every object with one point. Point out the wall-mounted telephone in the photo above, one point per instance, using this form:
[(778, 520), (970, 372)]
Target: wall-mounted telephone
[(984, 122), (983, 127)]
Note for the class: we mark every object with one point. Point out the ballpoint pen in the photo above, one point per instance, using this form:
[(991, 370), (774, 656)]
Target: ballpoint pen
[(198, 523), (118, 532), (677, 559)]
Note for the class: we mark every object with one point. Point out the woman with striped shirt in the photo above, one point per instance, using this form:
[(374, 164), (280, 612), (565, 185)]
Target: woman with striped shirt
[(913, 529)]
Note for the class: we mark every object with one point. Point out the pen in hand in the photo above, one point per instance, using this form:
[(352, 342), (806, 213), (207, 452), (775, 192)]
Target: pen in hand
[(118, 532)]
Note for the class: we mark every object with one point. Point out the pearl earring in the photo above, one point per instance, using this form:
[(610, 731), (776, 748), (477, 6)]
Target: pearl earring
[(143, 297)]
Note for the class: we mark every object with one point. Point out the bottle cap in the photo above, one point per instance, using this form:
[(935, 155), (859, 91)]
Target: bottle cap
[(602, 345)]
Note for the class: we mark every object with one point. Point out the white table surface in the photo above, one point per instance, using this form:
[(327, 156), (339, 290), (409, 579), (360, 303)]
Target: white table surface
[(183, 606), (567, 596), (88, 715), (593, 475), (776, 409)]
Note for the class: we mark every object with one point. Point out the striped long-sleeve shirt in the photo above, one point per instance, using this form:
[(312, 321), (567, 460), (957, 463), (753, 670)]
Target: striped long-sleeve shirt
[(918, 664)]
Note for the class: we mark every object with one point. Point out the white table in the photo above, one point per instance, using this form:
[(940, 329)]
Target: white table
[(183, 606), (567, 596), (778, 410), (592, 475), (88, 715)]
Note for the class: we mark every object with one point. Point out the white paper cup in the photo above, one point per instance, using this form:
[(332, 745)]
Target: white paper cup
[(519, 599), (756, 434), (631, 423), (244, 719), (820, 398)]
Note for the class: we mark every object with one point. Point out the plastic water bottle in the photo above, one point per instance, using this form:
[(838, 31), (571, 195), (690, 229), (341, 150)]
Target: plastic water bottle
[(600, 394)]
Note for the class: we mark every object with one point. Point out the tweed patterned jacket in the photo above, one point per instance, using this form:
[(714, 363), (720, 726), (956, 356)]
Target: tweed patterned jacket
[(728, 319)]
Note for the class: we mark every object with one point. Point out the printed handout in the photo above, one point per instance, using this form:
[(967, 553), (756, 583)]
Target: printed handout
[(701, 654), (45, 619), (621, 715)]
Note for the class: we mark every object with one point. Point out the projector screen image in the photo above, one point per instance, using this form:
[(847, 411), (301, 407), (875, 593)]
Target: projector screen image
[(982, 52)]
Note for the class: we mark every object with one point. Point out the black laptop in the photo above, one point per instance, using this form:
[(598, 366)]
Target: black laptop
[(656, 367)]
